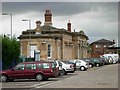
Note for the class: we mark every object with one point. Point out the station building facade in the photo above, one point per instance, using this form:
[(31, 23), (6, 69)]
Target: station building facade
[(52, 42)]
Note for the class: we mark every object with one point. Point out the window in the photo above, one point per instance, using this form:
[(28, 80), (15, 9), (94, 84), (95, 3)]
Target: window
[(105, 46), (19, 67), (40, 66), (43, 65), (49, 51), (32, 49), (30, 66), (98, 46), (46, 65), (53, 65), (77, 61)]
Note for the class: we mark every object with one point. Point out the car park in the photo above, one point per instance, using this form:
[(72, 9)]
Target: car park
[(80, 64), (39, 70)]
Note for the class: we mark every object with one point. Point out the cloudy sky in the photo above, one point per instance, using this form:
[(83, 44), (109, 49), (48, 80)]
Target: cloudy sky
[(97, 19)]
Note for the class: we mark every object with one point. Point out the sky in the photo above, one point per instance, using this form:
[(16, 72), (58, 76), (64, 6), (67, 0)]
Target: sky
[(98, 20)]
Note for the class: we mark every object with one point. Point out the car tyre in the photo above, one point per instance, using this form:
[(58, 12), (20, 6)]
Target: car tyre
[(82, 68), (91, 66), (97, 65), (3, 78), (39, 77)]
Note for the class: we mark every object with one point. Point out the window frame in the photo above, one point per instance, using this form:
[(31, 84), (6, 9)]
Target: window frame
[(49, 51)]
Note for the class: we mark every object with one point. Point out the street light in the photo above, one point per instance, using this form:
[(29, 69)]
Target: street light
[(11, 21), (29, 34), (28, 21)]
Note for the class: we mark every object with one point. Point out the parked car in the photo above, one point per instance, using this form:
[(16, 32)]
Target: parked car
[(106, 61), (80, 64), (39, 70), (91, 63), (67, 68), (74, 64), (58, 66), (113, 58), (97, 61)]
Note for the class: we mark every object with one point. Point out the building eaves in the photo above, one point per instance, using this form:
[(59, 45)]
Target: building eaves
[(39, 37)]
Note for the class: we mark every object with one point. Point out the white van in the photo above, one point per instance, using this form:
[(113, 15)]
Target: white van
[(113, 58)]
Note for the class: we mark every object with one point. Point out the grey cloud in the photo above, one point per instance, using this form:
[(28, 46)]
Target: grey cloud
[(60, 1), (59, 8), (107, 13), (108, 9)]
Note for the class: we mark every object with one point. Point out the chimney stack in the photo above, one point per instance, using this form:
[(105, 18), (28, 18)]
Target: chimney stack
[(69, 26), (38, 24), (38, 27), (48, 18)]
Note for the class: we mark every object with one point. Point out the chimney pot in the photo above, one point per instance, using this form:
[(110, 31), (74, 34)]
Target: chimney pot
[(69, 26), (38, 24)]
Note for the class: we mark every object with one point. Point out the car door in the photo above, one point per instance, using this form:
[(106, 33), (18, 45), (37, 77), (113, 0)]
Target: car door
[(17, 72), (78, 63), (30, 70)]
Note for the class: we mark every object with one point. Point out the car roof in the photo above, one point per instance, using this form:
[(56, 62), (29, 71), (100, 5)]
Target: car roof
[(30, 62)]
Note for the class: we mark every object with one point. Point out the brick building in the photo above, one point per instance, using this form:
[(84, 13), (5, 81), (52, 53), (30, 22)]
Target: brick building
[(101, 47), (52, 42)]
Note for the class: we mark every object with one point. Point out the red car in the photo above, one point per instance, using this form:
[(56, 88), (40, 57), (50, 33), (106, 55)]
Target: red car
[(39, 70)]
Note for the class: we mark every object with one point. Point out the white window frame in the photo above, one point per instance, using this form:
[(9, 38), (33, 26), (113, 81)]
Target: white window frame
[(32, 50)]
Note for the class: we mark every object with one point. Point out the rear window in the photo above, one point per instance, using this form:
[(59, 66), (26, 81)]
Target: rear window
[(43, 65)]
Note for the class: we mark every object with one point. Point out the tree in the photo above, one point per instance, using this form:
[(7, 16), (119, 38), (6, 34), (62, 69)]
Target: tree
[(10, 51)]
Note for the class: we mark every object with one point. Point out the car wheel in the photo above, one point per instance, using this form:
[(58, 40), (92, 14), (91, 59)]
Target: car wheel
[(39, 77), (3, 78), (82, 68), (97, 65), (90, 65)]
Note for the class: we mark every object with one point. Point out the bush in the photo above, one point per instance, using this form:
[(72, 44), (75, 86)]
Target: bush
[(10, 51)]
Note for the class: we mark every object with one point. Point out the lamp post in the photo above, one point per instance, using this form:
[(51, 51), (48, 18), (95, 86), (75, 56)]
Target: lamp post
[(29, 34), (11, 21)]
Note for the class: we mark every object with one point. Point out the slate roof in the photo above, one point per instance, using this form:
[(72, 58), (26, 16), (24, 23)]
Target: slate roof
[(101, 41), (46, 29)]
